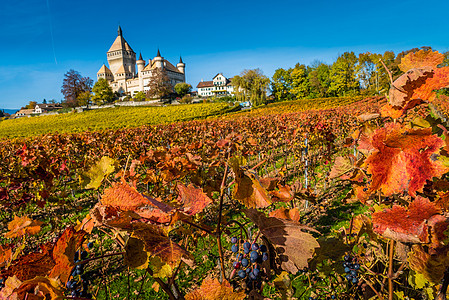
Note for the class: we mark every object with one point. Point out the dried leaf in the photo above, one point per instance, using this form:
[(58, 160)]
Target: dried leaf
[(406, 225), (64, 253), (368, 117), (404, 159), (135, 255), (402, 90), (5, 255), (41, 288), (11, 284), (283, 194), (292, 214), (20, 226), (431, 266), (193, 200), (212, 289), (293, 246), (421, 59), (87, 224), (269, 183), (248, 189), (92, 179), (341, 166)]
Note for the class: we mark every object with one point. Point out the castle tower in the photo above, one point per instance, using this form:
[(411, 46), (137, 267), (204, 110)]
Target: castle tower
[(159, 60), (105, 73), (121, 54), (181, 66), (140, 66)]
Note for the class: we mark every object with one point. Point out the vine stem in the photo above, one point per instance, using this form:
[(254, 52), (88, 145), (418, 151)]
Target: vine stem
[(99, 257), (390, 271), (163, 285), (220, 212), (443, 289)]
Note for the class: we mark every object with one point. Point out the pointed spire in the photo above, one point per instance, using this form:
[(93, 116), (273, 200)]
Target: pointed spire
[(180, 60), (119, 31), (158, 53), (140, 56)]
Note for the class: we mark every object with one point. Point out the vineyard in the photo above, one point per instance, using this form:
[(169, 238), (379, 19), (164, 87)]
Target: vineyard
[(346, 199)]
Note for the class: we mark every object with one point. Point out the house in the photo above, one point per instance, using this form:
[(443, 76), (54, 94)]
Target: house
[(41, 108), (218, 86), (123, 76), (24, 112)]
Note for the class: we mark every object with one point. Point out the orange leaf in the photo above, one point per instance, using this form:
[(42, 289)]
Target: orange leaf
[(403, 87), (406, 225), (439, 79), (269, 183), (5, 254), (160, 245), (431, 266), (393, 112), (21, 226), (87, 224), (212, 289), (64, 253), (283, 194), (248, 189), (404, 159), (7, 291), (294, 246), (421, 59), (40, 288), (286, 214), (193, 200)]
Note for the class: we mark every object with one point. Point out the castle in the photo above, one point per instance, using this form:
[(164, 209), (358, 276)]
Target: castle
[(122, 75)]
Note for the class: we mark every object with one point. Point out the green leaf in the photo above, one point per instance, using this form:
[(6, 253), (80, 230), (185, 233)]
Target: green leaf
[(92, 179)]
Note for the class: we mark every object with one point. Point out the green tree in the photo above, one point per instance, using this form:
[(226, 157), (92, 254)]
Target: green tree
[(251, 85), (140, 96), (299, 82), (102, 92), (182, 88), (74, 85), (281, 84), (343, 80), (84, 99), (159, 84), (319, 79)]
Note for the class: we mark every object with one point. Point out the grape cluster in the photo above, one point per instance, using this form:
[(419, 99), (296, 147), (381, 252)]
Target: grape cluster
[(248, 260), (79, 282), (351, 268)]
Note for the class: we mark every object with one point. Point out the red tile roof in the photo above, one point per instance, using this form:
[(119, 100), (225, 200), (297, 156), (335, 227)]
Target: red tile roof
[(203, 84)]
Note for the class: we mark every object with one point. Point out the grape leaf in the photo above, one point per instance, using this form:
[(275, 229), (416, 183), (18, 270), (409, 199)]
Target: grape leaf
[(5, 255), (155, 243), (404, 159), (439, 79), (293, 246), (431, 266), (92, 179), (283, 194), (368, 117), (10, 285), (341, 166), (20, 226), (403, 87), (135, 255), (64, 253), (212, 289), (248, 189), (269, 183), (421, 59), (292, 214), (87, 224), (406, 225), (193, 200), (40, 288)]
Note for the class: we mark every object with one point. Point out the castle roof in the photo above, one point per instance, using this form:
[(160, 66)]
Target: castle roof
[(120, 43), (203, 84), (171, 67), (104, 69), (120, 70)]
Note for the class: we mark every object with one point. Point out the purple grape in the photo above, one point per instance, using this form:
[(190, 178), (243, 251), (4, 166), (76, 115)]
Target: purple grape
[(263, 248), (246, 245), (235, 248), (265, 256), (245, 262), (255, 246), (253, 256), (242, 273), (246, 251), (234, 240), (236, 265), (256, 272)]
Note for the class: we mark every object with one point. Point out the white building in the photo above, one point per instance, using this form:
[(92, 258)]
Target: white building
[(218, 86), (122, 75)]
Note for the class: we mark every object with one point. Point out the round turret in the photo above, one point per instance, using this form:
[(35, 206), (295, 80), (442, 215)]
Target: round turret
[(181, 66), (140, 64), (159, 60)]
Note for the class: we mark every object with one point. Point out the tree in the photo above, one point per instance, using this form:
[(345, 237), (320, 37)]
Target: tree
[(159, 84), (103, 92), (31, 105), (182, 88), (281, 84), (140, 96), (84, 99), (251, 85), (343, 75), (74, 85), (319, 80), (299, 82)]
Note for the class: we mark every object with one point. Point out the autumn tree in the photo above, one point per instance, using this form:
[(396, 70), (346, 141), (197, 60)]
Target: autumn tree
[(102, 92), (318, 78), (281, 84), (73, 86), (343, 81), (159, 84), (251, 85), (299, 82), (140, 96), (31, 105), (84, 99), (182, 88)]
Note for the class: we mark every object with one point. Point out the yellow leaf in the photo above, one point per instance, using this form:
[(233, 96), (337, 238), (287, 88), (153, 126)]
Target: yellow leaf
[(21, 226), (92, 179)]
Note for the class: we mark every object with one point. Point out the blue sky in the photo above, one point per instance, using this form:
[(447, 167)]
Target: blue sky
[(40, 40)]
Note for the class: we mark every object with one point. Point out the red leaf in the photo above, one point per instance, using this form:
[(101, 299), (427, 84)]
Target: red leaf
[(421, 59), (439, 79), (193, 200)]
